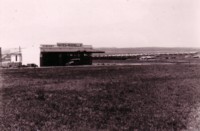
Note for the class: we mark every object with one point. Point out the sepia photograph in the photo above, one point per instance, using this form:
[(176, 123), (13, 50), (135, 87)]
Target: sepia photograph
[(99, 65)]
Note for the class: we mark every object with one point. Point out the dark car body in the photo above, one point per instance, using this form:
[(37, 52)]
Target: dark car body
[(31, 65)]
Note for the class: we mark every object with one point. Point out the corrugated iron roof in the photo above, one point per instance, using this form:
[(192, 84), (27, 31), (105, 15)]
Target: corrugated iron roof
[(69, 47), (69, 50)]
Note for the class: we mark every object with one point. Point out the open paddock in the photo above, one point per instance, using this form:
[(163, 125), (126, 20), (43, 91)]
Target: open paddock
[(142, 97)]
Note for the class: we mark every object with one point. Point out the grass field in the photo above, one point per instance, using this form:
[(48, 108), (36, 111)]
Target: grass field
[(147, 97)]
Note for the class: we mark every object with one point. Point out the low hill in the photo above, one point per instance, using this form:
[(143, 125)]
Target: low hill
[(148, 50)]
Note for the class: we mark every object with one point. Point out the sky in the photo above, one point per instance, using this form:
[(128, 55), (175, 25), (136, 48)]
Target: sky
[(101, 23)]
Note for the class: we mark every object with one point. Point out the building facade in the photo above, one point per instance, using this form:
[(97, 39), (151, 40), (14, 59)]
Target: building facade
[(63, 54), (16, 58)]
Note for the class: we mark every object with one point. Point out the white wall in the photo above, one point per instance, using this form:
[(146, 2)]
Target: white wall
[(13, 58), (31, 55)]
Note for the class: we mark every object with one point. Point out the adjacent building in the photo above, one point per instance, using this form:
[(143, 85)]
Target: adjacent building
[(63, 54), (11, 58), (16, 57)]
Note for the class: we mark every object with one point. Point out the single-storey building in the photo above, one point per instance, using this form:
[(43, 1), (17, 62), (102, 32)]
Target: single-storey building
[(63, 54)]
